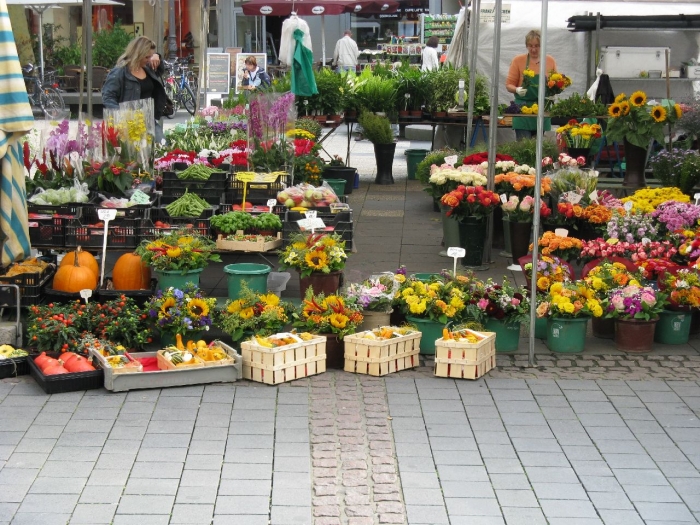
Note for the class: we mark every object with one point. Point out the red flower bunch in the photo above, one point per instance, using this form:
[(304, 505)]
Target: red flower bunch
[(570, 211), (303, 147), (470, 201), (652, 268), (478, 158), (239, 144)]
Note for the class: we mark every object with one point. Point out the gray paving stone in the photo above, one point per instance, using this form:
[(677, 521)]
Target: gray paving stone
[(246, 471), (252, 487), (40, 518), (472, 507), (567, 509), (103, 494), (290, 515), (648, 494), (673, 512), (196, 495), (58, 485), (419, 480), (192, 513), (232, 519), (629, 461), (551, 474), (601, 484), (648, 477), (291, 497), (523, 516), (510, 481), (543, 459), (439, 444), (165, 469), (620, 517), (416, 464), (565, 491), (7, 510), (242, 505), (133, 504), (517, 498), (591, 468), (457, 457), (610, 501), (428, 496), (97, 513), (464, 489), (420, 514), (488, 437), (503, 466), (624, 446), (59, 503), (152, 486)]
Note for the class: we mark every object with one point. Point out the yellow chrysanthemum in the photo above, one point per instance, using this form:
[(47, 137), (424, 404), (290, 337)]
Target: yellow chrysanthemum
[(614, 110), (247, 313), (198, 308), (339, 321), (317, 260), (400, 278), (419, 307), (450, 311), (235, 306), (620, 97), (543, 283), (167, 305), (638, 98), (568, 308), (658, 113), (173, 252), (556, 288)]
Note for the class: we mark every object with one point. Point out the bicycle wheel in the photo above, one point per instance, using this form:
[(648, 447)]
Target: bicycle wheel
[(188, 99), (172, 95), (51, 102)]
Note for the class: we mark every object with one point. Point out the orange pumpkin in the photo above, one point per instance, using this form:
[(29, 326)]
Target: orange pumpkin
[(85, 259), (73, 277), (131, 273)]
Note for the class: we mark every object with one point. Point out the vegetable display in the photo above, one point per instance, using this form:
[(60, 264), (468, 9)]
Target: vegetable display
[(10, 352), (189, 205), (232, 221), (196, 172), (267, 222)]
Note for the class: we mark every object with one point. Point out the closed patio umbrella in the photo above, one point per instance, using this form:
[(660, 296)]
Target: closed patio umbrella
[(15, 120)]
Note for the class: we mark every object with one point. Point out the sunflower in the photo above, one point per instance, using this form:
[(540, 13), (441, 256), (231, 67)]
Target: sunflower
[(658, 113), (167, 305), (614, 110), (270, 299), (335, 302), (247, 313), (625, 107), (339, 320), (678, 110), (620, 97), (317, 259), (235, 306), (198, 308), (638, 98), (173, 253)]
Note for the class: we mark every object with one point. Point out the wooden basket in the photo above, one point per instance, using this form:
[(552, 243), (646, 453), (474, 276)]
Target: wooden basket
[(283, 363), (222, 362), (464, 360), (164, 364), (381, 357), (259, 245)]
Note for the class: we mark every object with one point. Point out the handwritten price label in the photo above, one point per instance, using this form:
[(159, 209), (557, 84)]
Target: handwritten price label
[(455, 251), (106, 214)]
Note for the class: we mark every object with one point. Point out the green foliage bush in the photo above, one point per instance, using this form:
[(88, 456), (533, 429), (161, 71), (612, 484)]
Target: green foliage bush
[(108, 46), (524, 151), (375, 128)]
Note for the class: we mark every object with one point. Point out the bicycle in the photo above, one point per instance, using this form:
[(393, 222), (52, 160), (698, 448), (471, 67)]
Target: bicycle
[(45, 97), (177, 87)]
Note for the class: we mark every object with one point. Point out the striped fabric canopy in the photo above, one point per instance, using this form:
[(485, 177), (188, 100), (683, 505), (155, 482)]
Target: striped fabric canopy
[(15, 120)]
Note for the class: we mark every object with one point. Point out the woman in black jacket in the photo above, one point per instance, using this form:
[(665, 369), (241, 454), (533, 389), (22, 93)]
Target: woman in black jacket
[(133, 78)]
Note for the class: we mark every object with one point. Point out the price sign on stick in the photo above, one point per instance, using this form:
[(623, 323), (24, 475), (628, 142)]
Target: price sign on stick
[(697, 198), (271, 204), (245, 177), (106, 215), (86, 293), (628, 206), (455, 252)]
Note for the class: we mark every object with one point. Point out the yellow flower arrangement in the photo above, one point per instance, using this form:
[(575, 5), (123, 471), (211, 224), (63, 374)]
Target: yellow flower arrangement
[(175, 311), (579, 134), (570, 300), (254, 313), (298, 133), (181, 250), (607, 276), (310, 253), (532, 110), (438, 301), (646, 200), (549, 270)]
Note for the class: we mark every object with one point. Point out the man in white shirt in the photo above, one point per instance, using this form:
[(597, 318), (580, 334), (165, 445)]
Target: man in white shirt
[(346, 53)]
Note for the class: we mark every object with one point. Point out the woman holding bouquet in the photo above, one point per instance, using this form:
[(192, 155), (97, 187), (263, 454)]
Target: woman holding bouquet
[(523, 80)]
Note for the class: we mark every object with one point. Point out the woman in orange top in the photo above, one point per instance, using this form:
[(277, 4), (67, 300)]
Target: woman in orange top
[(527, 94)]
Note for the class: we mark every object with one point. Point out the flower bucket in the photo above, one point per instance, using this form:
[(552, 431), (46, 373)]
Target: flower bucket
[(335, 351), (673, 327), (567, 336), (374, 319), (541, 328), (635, 335), (603, 328), (472, 233), (450, 229), (520, 233), (507, 334), (346, 174), (431, 330), (425, 277), (338, 185), (413, 158), (252, 274), (635, 163), (176, 279), (327, 283)]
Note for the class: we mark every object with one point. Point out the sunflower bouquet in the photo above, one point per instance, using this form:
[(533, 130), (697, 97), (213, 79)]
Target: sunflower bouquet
[(437, 300), (637, 121), (320, 313), (175, 311), (314, 253), (260, 314), (179, 250)]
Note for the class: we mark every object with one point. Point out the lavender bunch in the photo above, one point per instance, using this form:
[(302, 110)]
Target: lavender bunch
[(632, 227), (678, 168), (677, 215)]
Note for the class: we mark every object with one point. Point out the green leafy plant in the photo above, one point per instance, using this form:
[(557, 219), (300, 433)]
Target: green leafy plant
[(109, 44), (232, 221), (330, 91), (67, 55), (309, 125), (524, 151), (267, 222), (408, 95), (378, 94), (578, 106), (282, 84), (376, 129)]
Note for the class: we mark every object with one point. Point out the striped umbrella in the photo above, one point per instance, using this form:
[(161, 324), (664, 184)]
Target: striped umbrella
[(15, 120)]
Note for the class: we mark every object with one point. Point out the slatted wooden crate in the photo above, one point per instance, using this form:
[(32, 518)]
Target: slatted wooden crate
[(283, 363), (381, 357), (464, 360)]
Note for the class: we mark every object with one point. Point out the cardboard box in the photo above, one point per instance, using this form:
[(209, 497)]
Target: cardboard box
[(629, 62)]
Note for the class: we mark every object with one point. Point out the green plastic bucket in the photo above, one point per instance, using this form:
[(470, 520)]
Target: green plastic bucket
[(426, 277), (431, 332), (673, 328), (541, 328), (507, 334), (176, 279), (413, 158), (253, 275), (566, 335), (338, 185)]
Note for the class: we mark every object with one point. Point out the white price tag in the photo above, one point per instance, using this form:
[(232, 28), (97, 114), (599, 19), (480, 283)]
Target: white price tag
[(311, 214), (697, 198), (504, 199), (311, 224), (628, 206), (271, 203), (572, 197), (594, 196), (561, 232), (451, 160), (646, 240), (86, 293), (106, 214), (455, 251)]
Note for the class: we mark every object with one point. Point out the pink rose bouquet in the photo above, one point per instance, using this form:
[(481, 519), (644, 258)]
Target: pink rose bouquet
[(635, 302)]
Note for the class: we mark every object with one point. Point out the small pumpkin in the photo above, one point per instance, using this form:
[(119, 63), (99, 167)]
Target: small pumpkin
[(79, 364), (131, 273), (84, 258), (74, 277), (54, 370), (67, 357)]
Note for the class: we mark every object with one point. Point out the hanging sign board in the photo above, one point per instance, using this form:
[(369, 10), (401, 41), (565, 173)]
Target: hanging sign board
[(218, 72), (487, 13)]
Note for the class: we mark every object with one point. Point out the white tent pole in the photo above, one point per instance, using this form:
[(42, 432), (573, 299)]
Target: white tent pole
[(538, 181), (473, 37), (41, 10), (493, 124), (323, 39)]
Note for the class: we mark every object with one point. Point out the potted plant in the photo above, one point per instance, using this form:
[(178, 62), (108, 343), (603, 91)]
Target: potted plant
[(378, 94), (576, 106), (502, 308), (352, 92), (408, 97), (579, 137), (319, 258), (332, 316), (178, 257), (374, 296), (635, 309), (253, 313), (330, 93), (377, 129), (677, 168), (183, 312), (636, 123)]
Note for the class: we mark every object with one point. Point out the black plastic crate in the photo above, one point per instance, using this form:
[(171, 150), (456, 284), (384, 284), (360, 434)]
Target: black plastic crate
[(210, 195), (149, 230), (278, 210), (218, 177), (13, 367), (325, 214), (31, 285), (137, 211), (47, 232), (70, 211), (121, 234), (60, 383), (141, 297), (57, 296), (257, 192)]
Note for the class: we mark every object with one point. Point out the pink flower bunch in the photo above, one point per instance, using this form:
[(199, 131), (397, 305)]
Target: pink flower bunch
[(635, 302), (636, 251), (209, 111), (677, 215), (567, 161)]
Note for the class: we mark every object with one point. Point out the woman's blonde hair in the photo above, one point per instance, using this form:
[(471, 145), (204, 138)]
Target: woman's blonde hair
[(138, 49), (533, 35)]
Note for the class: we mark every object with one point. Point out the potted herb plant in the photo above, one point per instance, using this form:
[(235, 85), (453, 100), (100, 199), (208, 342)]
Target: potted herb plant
[(377, 129)]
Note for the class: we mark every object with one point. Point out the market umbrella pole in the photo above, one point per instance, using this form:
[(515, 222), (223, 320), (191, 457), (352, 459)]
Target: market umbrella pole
[(493, 126), (473, 36), (323, 40), (15, 120), (538, 183)]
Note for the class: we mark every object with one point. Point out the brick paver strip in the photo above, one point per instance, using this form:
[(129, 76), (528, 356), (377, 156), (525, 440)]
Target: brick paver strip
[(355, 474)]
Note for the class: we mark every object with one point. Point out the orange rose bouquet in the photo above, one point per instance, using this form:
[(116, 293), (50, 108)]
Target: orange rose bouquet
[(566, 248)]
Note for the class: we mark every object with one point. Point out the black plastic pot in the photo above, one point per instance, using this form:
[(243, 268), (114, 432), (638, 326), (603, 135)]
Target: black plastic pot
[(341, 172), (384, 156)]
